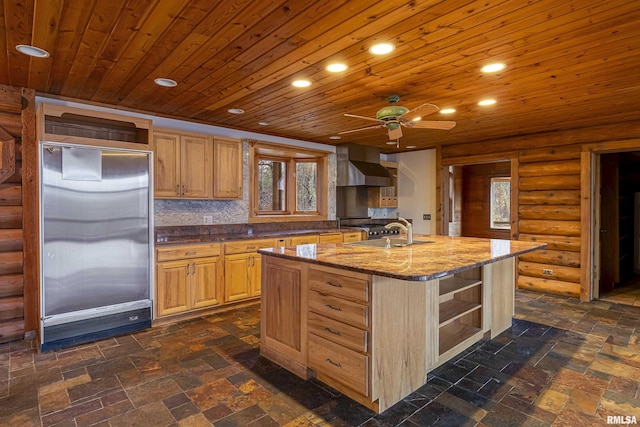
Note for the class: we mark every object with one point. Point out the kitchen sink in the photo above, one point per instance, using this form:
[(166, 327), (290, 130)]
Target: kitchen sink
[(382, 243)]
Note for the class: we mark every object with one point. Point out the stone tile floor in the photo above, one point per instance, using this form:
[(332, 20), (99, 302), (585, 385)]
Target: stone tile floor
[(563, 363)]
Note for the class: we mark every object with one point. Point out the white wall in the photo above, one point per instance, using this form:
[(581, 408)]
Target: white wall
[(417, 189)]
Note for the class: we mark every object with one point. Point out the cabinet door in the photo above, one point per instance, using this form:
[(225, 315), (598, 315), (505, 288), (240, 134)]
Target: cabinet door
[(237, 276), (172, 293), (166, 165), (206, 276), (227, 169), (196, 172), (256, 275)]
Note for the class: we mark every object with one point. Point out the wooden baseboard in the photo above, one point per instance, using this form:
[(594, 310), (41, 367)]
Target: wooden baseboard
[(203, 312), (290, 365)]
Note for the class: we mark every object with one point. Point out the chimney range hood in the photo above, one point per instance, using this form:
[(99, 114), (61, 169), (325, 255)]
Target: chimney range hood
[(359, 166)]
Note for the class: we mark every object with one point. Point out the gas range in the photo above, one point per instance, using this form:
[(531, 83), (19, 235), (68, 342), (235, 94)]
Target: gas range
[(378, 231)]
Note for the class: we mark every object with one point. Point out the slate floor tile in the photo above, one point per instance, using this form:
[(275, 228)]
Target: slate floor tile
[(562, 363)]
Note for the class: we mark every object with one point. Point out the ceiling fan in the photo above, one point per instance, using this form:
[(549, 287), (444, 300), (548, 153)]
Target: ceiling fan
[(394, 117)]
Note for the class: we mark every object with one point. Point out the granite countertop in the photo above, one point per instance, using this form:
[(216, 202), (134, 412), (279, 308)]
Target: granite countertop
[(226, 237), (421, 262)]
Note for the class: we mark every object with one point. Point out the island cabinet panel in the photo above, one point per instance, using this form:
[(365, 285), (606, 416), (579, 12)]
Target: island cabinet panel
[(404, 337), (283, 326)]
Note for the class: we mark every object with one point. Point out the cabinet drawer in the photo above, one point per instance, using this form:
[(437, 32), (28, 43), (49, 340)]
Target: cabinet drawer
[(340, 309), (355, 236), (337, 284), (343, 365), (338, 332), (248, 246), (304, 240), (188, 251), (331, 238)]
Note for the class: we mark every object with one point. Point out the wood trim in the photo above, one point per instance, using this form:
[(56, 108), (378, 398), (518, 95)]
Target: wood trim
[(479, 159), (612, 146), (587, 226), (58, 110), (95, 142), (7, 155), (31, 267), (442, 186)]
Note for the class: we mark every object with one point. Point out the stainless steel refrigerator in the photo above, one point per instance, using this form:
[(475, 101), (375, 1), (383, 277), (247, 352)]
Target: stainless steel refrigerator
[(96, 249)]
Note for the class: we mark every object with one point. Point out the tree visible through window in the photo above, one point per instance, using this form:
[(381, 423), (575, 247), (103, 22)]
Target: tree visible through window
[(272, 185), (306, 184), (501, 203), (287, 182)]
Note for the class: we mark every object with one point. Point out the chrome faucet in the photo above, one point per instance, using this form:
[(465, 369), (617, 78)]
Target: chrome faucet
[(405, 226)]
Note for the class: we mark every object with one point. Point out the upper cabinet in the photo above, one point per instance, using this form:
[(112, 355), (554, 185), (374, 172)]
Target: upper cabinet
[(196, 166), (227, 168)]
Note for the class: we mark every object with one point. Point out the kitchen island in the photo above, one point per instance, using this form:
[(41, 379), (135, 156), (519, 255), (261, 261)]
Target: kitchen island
[(373, 321)]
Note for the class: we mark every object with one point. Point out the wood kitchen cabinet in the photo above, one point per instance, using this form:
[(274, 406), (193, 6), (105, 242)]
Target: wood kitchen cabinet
[(183, 166), (188, 278), (227, 169), (242, 266), (197, 166)]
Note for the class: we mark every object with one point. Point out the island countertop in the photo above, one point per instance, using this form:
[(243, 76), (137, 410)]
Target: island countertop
[(418, 262)]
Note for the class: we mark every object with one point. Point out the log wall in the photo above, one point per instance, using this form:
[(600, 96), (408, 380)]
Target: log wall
[(12, 243), (551, 187)]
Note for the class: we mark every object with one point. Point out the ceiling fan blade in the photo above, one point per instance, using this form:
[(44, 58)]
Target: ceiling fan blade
[(421, 111), (358, 130), (432, 124), (362, 117), (395, 133)]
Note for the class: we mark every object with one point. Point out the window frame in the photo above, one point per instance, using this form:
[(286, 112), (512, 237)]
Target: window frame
[(291, 156), (492, 225)]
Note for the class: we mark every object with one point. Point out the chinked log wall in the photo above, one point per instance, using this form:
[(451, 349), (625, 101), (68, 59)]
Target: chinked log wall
[(16, 281), (549, 194)]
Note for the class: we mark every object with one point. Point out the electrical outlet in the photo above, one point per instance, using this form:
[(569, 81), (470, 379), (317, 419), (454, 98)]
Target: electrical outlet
[(547, 272), (208, 219), (426, 216)]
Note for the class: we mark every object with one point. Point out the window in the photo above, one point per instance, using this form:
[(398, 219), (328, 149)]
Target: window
[(501, 203), (287, 182)]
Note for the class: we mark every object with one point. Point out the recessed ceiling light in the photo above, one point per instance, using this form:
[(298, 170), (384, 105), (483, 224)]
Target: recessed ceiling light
[(391, 143), (235, 111), (493, 68), (411, 146), (382, 48), (36, 52), (263, 123), (301, 83), (485, 102), (335, 137), (447, 111), (336, 67), (161, 81)]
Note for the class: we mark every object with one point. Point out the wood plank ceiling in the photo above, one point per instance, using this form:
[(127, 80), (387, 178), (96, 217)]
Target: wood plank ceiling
[(570, 63)]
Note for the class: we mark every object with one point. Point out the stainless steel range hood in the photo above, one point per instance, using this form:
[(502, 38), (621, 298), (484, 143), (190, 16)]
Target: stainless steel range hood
[(359, 165)]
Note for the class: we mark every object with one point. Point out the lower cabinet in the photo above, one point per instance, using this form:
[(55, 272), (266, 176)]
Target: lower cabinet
[(242, 267), (188, 278)]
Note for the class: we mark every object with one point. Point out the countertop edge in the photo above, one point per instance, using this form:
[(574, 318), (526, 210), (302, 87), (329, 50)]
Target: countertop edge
[(408, 277)]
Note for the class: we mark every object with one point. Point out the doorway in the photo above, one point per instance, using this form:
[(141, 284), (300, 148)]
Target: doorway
[(619, 227)]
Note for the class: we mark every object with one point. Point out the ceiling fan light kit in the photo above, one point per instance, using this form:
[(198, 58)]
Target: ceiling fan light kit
[(394, 117)]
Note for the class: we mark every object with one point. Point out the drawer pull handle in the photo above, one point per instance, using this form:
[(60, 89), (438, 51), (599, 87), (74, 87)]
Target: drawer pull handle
[(190, 253), (251, 247), (338, 365), (332, 331), (332, 307), (335, 285)]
